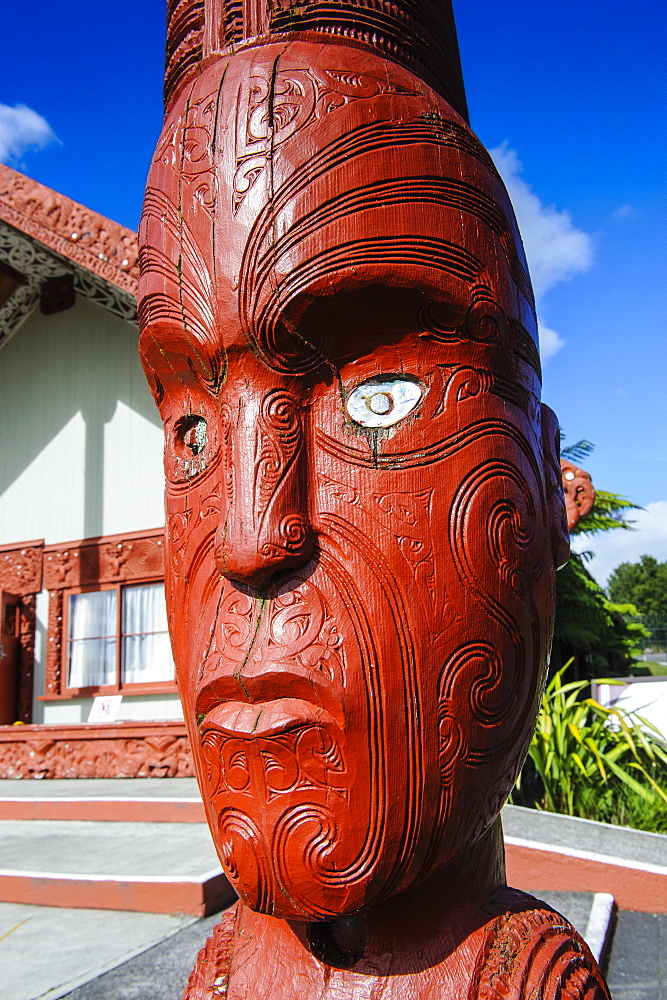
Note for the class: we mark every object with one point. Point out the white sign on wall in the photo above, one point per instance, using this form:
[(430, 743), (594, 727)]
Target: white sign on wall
[(105, 708), (646, 696)]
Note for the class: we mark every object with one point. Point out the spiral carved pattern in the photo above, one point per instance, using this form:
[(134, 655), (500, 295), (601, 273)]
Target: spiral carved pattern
[(278, 443), (535, 954), (243, 858)]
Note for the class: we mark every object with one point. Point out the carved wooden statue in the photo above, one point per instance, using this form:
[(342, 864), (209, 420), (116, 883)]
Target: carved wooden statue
[(578, 492), (364, 509)]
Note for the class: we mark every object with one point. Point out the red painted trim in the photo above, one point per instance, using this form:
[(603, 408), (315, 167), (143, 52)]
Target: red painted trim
[(633, 889), (108, 731), (107, 810), (80, 892), (158, 687), (77, 543), (34, 543)]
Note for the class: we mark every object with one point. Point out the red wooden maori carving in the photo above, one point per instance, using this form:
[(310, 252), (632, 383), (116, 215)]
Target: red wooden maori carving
[(113, 559), (21, 568), (364, 503), (21, 575), (125, 750), (102, 246), (578, 492)]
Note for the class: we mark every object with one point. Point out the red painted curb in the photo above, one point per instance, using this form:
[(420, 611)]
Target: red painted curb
[(97, 892), (109, 810), (532, 869)]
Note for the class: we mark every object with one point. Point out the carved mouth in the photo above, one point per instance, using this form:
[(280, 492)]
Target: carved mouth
[(311, 690), (262, 719)]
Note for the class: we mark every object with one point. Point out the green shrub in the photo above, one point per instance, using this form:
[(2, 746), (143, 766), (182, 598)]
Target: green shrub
[(598, 763)]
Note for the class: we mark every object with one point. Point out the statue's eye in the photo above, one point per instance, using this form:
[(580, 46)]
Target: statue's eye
[(383, 401), (190, 436)]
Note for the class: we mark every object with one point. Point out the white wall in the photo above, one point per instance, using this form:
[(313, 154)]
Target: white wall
[(143, 708), (80, 454), (80, 437), (646, 696)]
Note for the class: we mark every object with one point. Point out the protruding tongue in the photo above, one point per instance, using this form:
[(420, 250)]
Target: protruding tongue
[(238, 718)]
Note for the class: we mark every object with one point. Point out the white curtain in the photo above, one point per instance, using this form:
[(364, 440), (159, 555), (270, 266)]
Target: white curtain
[(92, 635), (146, 648)]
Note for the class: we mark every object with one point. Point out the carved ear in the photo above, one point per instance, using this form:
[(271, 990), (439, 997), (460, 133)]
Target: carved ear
[(560, 539)]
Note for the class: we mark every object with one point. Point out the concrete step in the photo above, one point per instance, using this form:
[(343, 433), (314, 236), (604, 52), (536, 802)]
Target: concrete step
[(146, 867), (134, 800), (546, 851)]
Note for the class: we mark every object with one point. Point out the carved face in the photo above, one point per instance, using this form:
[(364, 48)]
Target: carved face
[(578, 493), (338, 329)]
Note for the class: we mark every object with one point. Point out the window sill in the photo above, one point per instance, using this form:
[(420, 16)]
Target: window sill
[(161, 687)]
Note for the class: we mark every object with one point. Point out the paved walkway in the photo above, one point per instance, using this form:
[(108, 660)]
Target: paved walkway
[(638, 961), (114, 849), (98, 788), (47, 952)]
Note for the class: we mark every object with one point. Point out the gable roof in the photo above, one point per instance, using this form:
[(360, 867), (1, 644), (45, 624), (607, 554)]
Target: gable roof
[(44, 234)]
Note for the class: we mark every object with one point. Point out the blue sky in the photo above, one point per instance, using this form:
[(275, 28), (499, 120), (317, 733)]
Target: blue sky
[(568, 93)]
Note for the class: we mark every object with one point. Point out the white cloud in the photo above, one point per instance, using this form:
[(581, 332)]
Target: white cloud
[(22, 129), (550, 341), (555, 248), (614, 547), (624, 212)]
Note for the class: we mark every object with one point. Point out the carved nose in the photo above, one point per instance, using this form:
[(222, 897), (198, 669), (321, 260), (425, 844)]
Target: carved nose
[(265, 528), (244, 556)]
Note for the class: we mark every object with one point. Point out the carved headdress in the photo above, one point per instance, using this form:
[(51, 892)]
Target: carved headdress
[(419, 34)]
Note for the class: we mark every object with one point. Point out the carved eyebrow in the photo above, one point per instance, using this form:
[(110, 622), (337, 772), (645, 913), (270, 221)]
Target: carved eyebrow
[(425, 189), (163, 334)]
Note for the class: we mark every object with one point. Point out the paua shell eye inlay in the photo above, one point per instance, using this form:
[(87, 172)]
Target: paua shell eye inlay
[(383, 401)]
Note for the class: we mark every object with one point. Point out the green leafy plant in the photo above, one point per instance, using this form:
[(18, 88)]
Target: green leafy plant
[(644, 584), (596, 635), (591, 633), (595, 762)]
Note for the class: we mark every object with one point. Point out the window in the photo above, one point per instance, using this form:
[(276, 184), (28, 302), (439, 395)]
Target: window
[(117, 636)]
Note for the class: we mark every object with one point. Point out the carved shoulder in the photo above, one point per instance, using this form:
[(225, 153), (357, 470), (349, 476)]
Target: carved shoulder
[(531, 951), (210, 977)]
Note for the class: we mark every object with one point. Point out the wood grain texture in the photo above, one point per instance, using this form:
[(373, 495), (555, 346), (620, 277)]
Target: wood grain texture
[(361, 609)]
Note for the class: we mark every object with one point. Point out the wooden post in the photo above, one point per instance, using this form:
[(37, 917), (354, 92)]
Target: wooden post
[(364, 505)]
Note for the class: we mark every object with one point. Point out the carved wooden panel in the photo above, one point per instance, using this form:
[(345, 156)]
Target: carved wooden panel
[(143, 750), (100, 245), (104, 561), (21, 568), (39, 263), (54, 644)]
